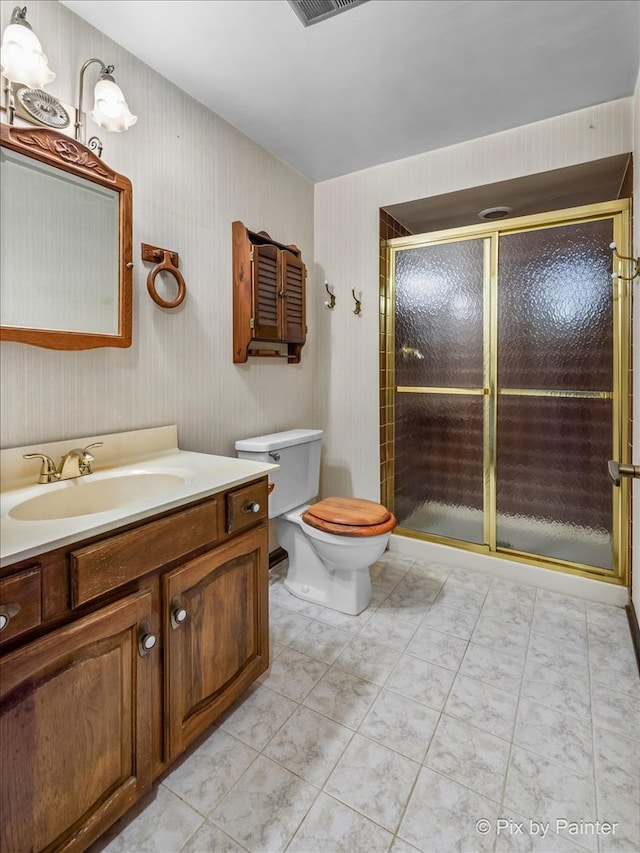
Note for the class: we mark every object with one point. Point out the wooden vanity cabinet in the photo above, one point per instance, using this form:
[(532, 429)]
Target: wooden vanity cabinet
[(97, 699), (269, 296), (75, 729)]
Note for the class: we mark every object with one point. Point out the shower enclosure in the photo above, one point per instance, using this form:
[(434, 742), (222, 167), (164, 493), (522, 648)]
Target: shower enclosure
[(507, 382)]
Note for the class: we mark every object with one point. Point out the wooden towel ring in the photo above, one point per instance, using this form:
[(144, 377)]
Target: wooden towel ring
[(166, 261)]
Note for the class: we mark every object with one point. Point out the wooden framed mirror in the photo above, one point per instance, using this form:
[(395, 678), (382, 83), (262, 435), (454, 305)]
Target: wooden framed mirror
[(67, 255)]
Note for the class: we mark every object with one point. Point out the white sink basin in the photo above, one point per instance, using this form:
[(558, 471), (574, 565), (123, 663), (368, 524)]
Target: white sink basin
[(137, 475), (86, 496)]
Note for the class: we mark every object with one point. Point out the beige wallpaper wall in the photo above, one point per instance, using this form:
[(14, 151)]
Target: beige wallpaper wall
[(346, 244), (192, 175)]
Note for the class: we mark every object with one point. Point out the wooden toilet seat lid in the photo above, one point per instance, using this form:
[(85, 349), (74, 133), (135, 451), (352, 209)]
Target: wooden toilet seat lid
[(350, 517)]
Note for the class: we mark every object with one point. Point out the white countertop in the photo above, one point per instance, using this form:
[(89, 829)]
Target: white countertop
[(151, 451)]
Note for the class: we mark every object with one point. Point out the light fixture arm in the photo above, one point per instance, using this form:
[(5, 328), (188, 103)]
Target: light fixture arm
[(105, 73), (19, 16), (9, 101)]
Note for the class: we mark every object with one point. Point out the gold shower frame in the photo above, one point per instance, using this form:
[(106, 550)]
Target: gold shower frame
[(620, 212)]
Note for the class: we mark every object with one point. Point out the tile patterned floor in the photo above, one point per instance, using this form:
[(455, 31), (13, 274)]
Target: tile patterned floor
[(457, 713)]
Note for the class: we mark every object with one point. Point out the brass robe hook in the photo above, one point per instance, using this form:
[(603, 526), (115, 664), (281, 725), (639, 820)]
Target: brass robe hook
[(358, 308), (635, 269), (332, 299)]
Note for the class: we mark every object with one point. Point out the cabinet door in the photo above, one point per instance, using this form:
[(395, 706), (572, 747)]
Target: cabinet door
[(75, 730), (265, 274), (217, 633), (293, 320)]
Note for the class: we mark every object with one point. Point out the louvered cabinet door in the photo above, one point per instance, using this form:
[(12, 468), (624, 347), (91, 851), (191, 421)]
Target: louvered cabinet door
[(265, 273), (269, 280), (294, 275)]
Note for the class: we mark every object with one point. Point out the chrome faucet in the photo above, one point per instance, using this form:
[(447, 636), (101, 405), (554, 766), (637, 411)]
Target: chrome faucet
[(75, 463)]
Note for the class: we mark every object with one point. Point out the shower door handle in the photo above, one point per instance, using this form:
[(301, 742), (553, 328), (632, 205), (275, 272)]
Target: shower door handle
[(617, 470)]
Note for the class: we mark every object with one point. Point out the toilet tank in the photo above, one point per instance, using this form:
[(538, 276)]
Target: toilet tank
[(297, 452)]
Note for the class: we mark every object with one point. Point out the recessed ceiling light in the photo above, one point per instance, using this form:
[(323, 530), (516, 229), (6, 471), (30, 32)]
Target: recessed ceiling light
[(491, 213)]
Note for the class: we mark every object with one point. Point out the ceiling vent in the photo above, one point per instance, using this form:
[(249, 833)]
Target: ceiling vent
[(312, 11)]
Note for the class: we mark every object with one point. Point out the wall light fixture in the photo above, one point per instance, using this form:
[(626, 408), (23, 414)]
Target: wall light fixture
[(26, 70), (23, 60), (110, 109)]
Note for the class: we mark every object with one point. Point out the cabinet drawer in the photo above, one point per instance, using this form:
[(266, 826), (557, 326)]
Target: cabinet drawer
[(246, 506), (106, 565), (20, 603)]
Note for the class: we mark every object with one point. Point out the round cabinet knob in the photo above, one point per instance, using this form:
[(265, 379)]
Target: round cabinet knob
[(148, 642), (251, 506), (7, 613), (179, 615)]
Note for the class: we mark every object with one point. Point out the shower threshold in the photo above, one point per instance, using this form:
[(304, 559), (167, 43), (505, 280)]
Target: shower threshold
[(566, 542)]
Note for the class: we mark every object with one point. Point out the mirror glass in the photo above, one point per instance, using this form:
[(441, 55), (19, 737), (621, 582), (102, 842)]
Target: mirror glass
[(66, 244), (59, 270)]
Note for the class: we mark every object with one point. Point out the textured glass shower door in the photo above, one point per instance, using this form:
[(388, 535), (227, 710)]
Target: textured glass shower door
[(440, 292), (510, 388), (555, 393)]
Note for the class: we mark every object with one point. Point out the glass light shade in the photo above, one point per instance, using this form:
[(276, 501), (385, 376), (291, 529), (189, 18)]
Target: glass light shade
[(110, 109), (22, 58)]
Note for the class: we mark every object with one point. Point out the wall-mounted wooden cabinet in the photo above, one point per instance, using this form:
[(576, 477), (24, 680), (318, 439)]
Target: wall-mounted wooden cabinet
[(268, 296)]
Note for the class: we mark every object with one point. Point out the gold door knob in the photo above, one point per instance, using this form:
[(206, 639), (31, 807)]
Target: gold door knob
[(617, 470)]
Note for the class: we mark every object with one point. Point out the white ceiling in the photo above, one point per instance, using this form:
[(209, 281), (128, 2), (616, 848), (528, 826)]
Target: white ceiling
[(383, 80)]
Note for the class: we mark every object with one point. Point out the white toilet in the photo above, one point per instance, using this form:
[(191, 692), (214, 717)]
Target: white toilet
[(332, 543)]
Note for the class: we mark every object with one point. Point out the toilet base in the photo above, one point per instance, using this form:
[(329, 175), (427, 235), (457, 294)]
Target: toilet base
[(324, 582), (341, 594)]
